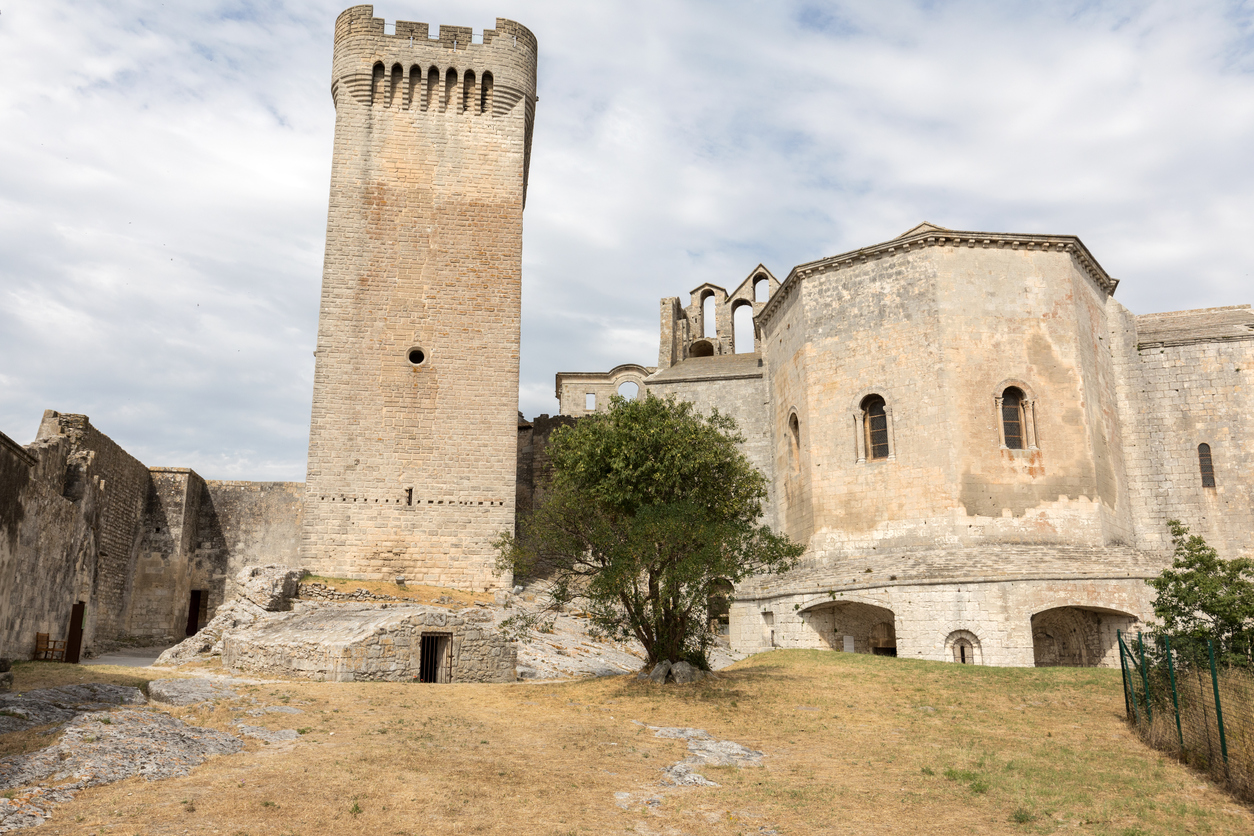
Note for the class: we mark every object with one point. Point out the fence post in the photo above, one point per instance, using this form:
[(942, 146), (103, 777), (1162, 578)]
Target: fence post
[(1130, 693), (1175, 698), (1123, 664), (1219, 712), (1149, 709)]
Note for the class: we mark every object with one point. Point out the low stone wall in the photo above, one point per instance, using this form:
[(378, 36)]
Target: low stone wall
[(322, 592), (363, 642)]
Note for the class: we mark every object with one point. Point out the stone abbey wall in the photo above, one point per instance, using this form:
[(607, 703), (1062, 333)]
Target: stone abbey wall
[(412, 451), (935, 528)]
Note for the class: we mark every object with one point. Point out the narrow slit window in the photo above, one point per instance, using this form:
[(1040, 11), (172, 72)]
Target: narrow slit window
[(1207, 467), (376, 83), (1012, 418), (450, 89), (485, 94), (433, 80), (468, 90), (875, 424), (794, 444)]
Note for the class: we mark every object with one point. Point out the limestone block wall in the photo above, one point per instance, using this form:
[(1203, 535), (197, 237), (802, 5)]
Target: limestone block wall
[(998, 616), (161, 584), (737, 390), (363, 642), (939, 329), (412, 452), (1186, 379), (245, 524)]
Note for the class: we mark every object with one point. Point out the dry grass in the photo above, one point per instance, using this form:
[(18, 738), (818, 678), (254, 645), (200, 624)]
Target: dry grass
[(410, 592), (854, 744)]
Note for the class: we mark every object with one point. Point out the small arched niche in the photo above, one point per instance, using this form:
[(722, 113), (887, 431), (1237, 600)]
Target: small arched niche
[(963, 647), (701, 348), (629, 389)]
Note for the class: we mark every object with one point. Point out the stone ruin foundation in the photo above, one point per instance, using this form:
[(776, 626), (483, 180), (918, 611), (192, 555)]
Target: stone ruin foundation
[(374, 642)]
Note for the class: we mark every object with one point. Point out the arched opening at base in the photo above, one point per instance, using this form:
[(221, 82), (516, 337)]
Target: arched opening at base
[(963, 646), (854, 628), (1077, 637)]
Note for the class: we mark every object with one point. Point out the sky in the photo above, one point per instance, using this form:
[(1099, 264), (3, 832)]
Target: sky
[(164, 173)]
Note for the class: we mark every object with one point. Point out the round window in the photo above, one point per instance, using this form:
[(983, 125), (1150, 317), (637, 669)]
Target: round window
[(417, 356)]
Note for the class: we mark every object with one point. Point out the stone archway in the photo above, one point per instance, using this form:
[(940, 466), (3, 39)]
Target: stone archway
[(1071, 637), (854, 627)]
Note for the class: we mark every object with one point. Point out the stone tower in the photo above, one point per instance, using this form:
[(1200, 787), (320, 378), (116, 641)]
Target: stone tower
[(412, 443)]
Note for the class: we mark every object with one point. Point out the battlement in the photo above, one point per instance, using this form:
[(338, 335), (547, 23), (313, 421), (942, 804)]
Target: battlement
[(408, 70)]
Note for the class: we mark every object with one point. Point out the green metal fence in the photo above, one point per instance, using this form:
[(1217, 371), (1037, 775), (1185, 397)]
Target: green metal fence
[(1182, 701)]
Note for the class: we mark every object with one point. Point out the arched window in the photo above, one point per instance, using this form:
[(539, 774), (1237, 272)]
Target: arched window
[(709, 327), (1012, 423), (761, 289), (794, 443), (964, 652), (875, 427), (629, 389), (742, 328), (485, 94), (468, 90), (1204, 462)]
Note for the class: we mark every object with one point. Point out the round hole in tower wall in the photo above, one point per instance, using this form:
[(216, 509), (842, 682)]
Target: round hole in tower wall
[(417, 356)]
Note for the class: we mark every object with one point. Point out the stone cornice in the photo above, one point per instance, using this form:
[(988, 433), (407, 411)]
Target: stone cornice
[(936, 238)]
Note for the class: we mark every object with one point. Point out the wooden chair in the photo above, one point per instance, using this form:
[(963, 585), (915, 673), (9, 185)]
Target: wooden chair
[(48, 650)]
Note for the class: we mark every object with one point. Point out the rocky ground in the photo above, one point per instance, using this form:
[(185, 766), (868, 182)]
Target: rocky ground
[(106, 733)]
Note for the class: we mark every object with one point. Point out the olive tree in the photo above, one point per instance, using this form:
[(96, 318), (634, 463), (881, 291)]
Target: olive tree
[(651, 509)]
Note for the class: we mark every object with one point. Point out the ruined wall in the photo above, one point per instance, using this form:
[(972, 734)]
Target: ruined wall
[(71, 505), (47, 544), (244, 524), (573, 388), (162, 582), (535, 470), (412, 451), (1187, 378)]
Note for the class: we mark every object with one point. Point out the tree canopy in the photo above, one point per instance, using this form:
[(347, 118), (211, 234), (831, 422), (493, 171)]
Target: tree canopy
[(651, 508), (1202, 596)]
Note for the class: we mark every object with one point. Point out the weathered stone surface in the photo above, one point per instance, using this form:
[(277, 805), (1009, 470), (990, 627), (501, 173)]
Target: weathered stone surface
[(269, 736), (101, 748), (270, 587), (660, 672), (704, 750), (354, 642), (48, 706), (188, 691), (208, 642), (6, 682)]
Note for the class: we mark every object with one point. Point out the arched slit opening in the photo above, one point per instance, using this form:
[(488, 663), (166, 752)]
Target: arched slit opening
[(875, 427), (450, 88), (761, 289), (414, 89), (468, 90), (1206, 465), (376, 83), (394, 87), (433, 79), (485, 94)]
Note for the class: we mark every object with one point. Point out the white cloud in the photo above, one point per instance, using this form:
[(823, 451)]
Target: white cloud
[(163, 198)]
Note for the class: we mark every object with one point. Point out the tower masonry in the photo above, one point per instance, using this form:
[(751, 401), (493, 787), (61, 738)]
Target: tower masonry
[(413, 435)]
